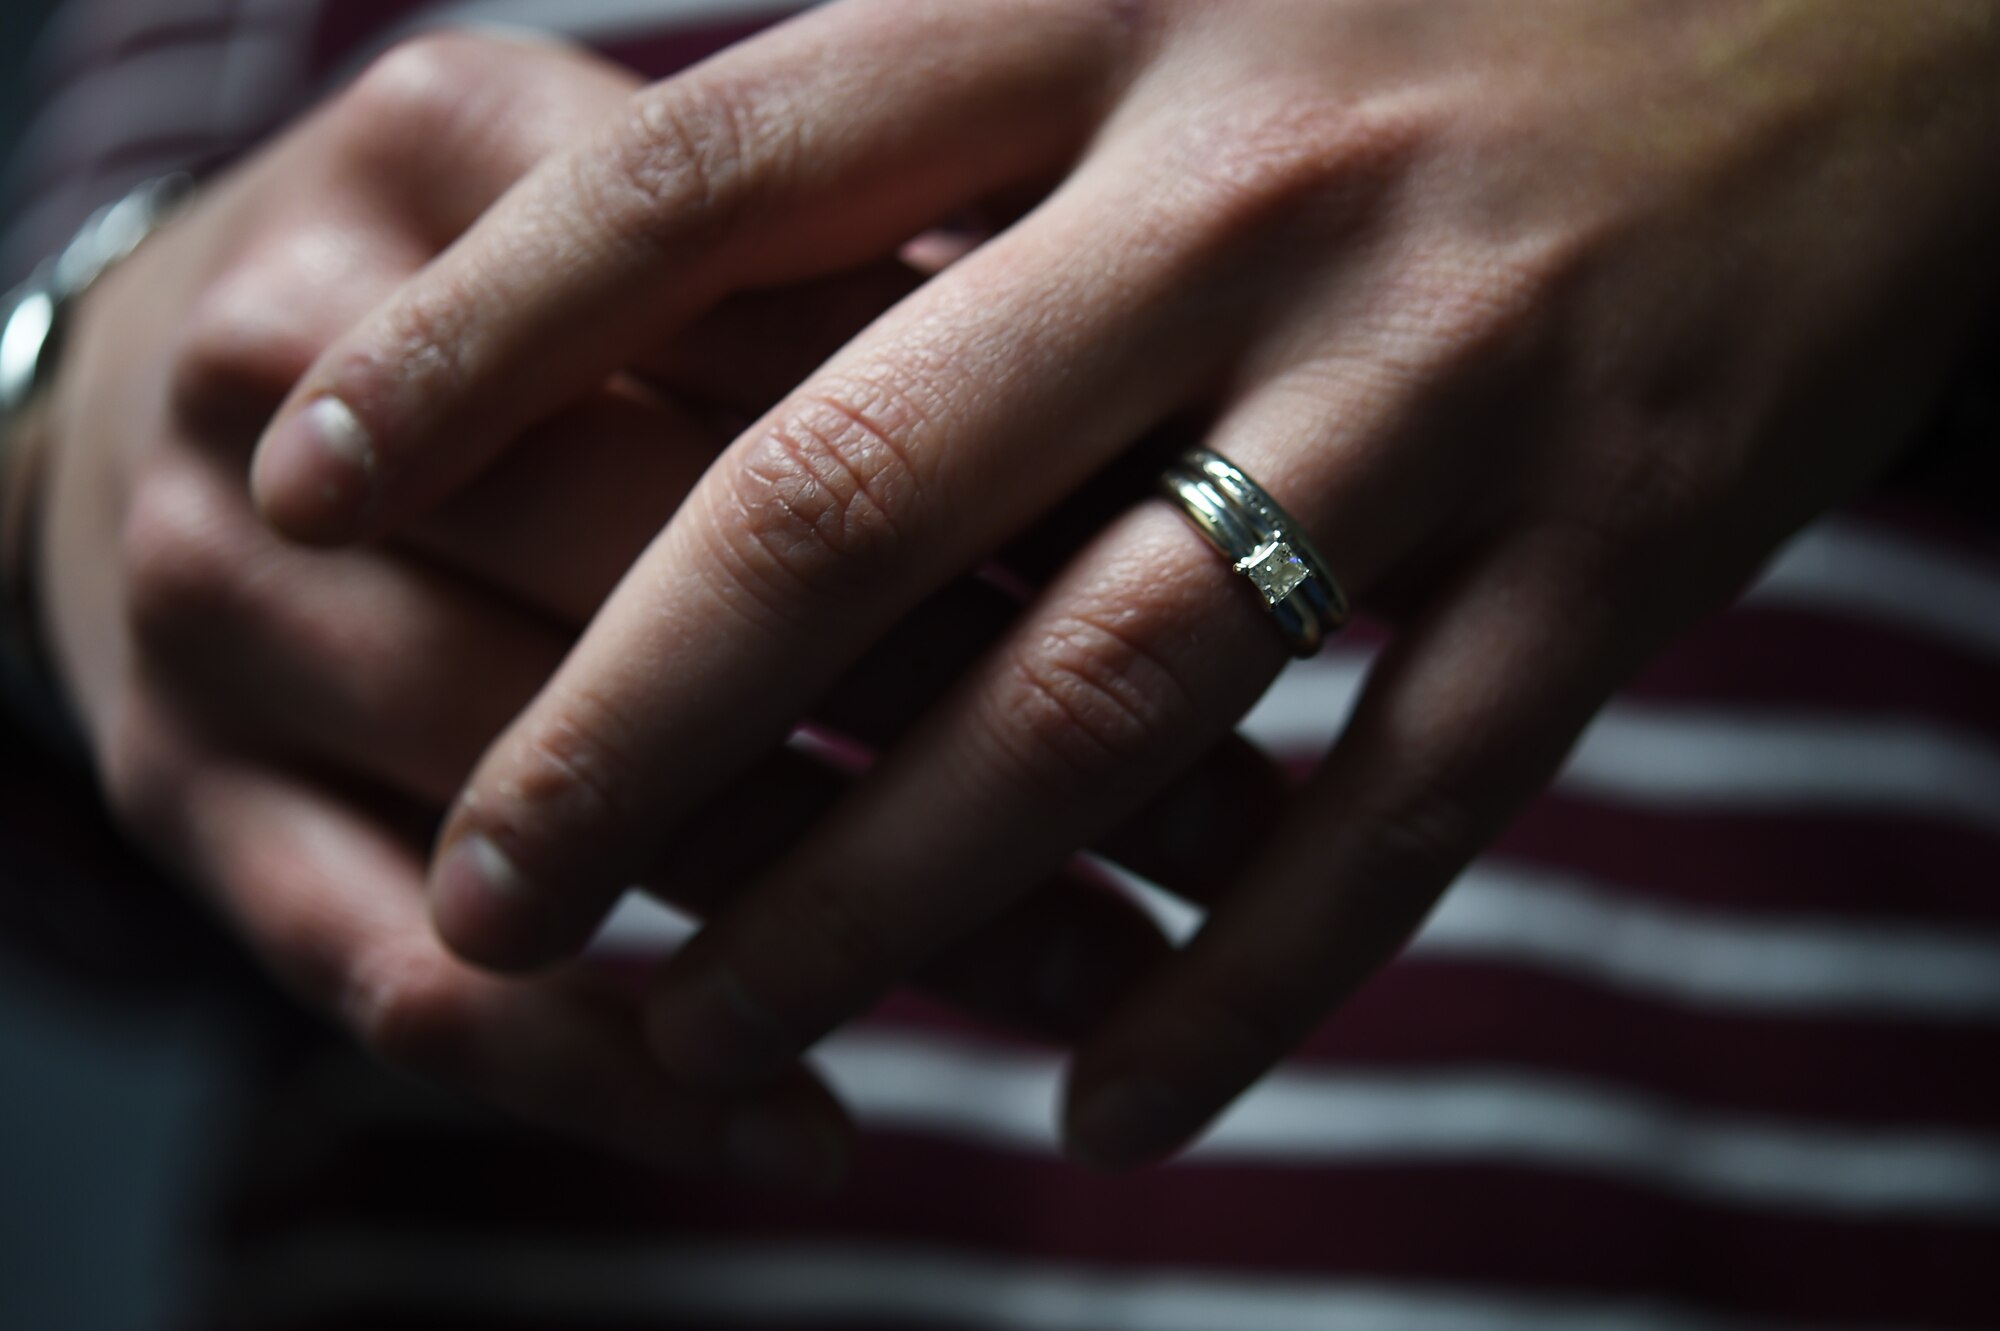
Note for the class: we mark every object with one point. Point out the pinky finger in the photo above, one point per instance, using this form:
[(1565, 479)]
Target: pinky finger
[(334, 904), (1466, 717)]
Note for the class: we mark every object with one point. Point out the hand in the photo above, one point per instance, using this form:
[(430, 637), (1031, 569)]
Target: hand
[(1547, 322), (284, 728)]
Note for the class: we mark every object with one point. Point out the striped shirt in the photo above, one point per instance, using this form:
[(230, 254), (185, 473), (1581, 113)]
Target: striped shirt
[(1709, 1039)]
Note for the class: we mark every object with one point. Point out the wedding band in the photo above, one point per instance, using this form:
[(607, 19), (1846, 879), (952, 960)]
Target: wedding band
[(1260, 541)]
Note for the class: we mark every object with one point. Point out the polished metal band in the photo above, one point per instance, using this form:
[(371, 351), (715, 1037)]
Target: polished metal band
[(32, 323), (1260, 541)]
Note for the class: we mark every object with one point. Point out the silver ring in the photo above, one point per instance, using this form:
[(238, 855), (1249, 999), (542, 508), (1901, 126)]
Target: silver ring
[(1260, 541)]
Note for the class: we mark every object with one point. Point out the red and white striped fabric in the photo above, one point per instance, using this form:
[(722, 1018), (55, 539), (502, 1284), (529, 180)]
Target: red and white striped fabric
[(1711, 1039)]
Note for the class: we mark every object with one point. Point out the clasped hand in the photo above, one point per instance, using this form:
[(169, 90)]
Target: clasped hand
[(1547, 322)]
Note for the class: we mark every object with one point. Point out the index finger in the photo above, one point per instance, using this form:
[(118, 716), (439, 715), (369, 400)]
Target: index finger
[(824, 143)]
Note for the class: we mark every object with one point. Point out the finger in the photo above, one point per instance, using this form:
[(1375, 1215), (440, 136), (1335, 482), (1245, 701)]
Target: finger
[(441, 125), (365, 662), (754, 348), (1053, 963), (809, 150), (914, 662), (401, 673), (563, 517), (1139, 657), (1064, 732), (875, 484), (1187, 841), (1190, 840), (372, 667), (1141, 654), (334, 905), (1194, 836), (1050, 964), (593, 484), (1463, 720), (413, 153), (369, 667), (391, 170), (597, 481), (366, 665)]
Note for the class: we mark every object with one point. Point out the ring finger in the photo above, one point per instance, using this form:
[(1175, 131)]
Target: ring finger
[(1140, 656)]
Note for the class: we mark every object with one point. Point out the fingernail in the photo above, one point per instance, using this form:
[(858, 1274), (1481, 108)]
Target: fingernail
[(316, 471), (476, 864), (1129, 1123), (476, 895), (769, 1145)]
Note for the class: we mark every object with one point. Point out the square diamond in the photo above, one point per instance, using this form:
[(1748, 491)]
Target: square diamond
[(1275, 569)]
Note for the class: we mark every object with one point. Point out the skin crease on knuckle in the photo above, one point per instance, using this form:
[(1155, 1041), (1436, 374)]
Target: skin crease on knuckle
[(1090, 697), (181, 562), (822, 500), (537, 814), (411, 97), (691, 155), (677, 162), (564, 772)]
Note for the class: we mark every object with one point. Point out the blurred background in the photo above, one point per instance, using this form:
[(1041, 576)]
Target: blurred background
[(102, 1105), (19, 22)]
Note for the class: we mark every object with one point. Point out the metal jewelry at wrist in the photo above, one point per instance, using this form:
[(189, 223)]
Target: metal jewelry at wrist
[(32, 320), (33, 312), (1261, 542)]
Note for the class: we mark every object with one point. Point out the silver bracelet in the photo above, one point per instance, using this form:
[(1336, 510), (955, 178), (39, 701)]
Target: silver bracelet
[(32, 324)]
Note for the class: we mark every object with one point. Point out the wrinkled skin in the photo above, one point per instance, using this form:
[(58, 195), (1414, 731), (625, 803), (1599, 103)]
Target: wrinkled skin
[(1547, 320), (283, 727)]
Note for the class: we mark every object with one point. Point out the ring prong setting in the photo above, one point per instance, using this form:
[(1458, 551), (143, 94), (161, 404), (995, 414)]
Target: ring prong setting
[(1261, 543), (1276, 569)]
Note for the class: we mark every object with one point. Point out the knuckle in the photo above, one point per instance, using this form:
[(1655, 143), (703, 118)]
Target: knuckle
[(1278, 162), (414, 90), (1476, 312), (179, 555), (406, 1006), (567, 777), (823, 500), (423, 337), (140, 772), (237, 355), (1088, 697), (677, 162), (1408, 851)]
